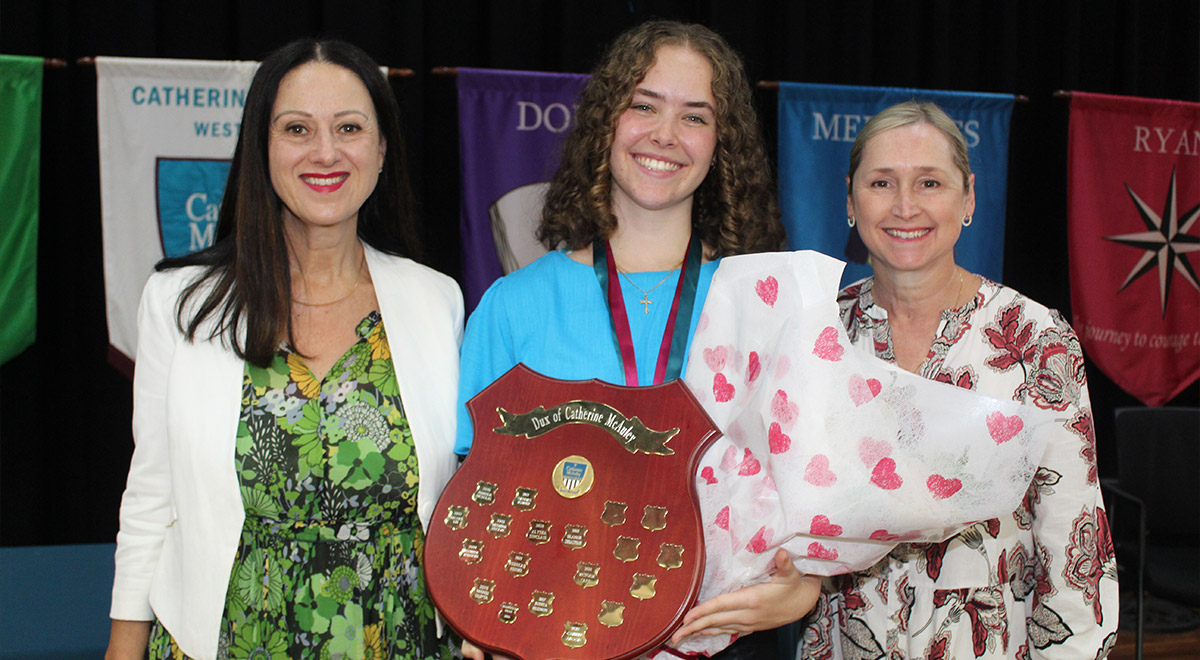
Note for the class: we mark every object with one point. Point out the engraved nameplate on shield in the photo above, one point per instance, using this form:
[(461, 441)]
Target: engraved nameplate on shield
[(542, 603), (485, 493), (587, 574), (508, 612), (471, 551), (481, 592), (456, 517), (574, 634), (525, 499), (498, 526), (575, 536), (517, 564), (539, 531)]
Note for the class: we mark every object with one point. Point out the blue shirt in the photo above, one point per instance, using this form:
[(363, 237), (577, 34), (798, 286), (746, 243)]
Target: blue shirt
[(552, 316)]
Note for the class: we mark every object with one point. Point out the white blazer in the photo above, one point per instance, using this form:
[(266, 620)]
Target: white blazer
[(182, 512)]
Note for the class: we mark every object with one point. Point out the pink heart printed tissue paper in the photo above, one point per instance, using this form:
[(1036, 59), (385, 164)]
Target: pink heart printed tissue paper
[(829, 452)]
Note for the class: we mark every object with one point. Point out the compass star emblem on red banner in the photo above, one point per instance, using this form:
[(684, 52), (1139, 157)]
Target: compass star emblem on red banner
[(1164, 244), (1135, 297)]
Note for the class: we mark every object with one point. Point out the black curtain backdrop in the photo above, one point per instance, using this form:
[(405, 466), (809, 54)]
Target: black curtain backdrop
[(65, 438)]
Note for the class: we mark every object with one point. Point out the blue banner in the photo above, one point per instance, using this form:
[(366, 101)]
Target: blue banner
[(817, 126), (511, 127)]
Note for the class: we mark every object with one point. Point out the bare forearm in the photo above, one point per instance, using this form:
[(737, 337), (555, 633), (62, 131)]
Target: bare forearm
[(128, 640)]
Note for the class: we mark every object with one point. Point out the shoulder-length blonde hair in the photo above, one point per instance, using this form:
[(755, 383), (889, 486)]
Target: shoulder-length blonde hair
[(734, 210)]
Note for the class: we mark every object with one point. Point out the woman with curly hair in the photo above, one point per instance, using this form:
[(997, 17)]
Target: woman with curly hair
[(663, 175)]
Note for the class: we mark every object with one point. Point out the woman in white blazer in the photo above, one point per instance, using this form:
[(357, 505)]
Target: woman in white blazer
[(294, 394)]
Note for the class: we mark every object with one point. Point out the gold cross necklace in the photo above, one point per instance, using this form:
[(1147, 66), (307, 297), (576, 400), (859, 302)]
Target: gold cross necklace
[(645, 301)]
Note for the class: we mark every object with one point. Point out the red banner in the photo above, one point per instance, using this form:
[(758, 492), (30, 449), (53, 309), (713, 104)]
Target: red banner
[(1133, 205)]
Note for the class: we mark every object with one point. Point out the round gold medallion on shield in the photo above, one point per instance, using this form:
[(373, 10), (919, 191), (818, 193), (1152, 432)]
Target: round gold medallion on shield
[(573, 476)]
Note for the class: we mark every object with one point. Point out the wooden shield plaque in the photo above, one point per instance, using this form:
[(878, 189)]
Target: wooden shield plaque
[(572, 530)]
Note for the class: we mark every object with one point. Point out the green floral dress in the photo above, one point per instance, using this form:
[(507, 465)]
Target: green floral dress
[(329, 565)]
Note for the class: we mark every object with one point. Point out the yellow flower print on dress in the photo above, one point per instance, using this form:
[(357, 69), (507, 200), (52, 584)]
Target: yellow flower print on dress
[(309, 386), (379, 345)]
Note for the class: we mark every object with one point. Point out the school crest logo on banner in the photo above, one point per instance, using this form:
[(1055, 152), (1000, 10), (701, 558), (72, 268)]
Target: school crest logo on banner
[(189, 193)]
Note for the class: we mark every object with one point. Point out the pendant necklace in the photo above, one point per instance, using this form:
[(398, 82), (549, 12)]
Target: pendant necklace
[(674, 342), (645, 301)]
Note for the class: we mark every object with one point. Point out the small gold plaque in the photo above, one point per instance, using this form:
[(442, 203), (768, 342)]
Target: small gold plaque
[(614, 513), (587, 574), (573, 476), (472, 551), (612, 613), (456, 517), (670, 556), (525, 499), (499, 526), (575, 536), (542, 603), (574, 634), (643, 586), (654, 518), (627, 548), (485, 493), (517, 564), (508, 612), (482, 591), (539, 531)]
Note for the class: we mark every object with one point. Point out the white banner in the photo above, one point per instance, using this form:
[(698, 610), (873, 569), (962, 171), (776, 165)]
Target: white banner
[(167, 131)]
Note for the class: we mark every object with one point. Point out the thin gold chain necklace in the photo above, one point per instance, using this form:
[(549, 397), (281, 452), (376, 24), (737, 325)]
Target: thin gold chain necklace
[(645, 301), (348, 293)]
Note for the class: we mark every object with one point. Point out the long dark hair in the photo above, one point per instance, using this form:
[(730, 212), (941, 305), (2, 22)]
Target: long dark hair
[(246, 283), (734, 210)]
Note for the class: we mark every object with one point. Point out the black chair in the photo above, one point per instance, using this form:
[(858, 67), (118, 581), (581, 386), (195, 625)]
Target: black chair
[(1158, 473)]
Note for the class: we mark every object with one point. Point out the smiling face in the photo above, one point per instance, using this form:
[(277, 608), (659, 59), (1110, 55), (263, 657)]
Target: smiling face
[(325, 147), (909, 200), (664, 142)]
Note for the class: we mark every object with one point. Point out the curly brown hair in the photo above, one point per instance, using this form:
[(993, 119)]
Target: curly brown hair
[(734, 210)]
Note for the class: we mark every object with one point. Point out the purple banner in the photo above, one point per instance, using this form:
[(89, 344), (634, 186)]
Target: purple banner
[(511, 127)]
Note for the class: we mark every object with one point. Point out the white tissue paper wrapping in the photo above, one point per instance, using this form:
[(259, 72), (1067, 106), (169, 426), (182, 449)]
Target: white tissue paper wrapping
[(829, 452)]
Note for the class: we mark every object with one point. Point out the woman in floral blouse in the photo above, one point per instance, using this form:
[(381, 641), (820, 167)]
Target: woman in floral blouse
[(1040, 582)]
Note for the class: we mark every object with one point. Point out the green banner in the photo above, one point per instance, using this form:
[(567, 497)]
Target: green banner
[(20, 166)]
